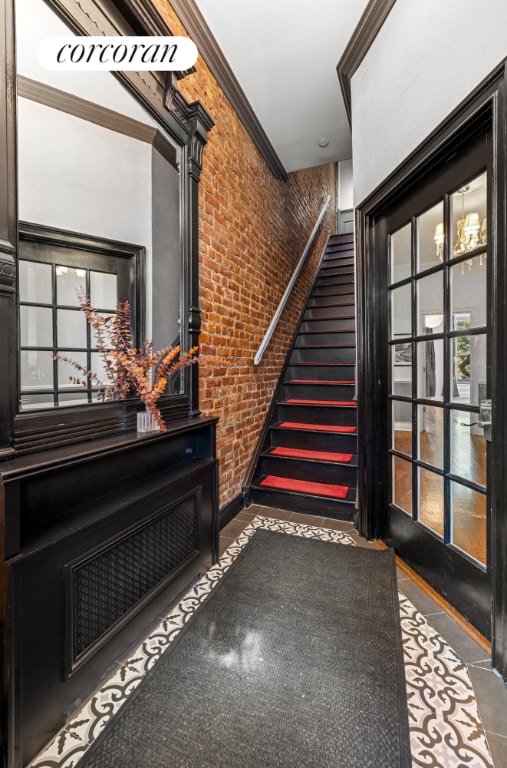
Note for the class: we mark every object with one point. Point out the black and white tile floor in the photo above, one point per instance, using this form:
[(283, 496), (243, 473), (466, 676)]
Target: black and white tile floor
[(457, 705)]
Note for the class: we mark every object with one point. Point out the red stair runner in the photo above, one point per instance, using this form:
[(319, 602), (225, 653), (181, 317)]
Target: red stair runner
[(303, 486), (349, 403), (318, 427), (300, 453)]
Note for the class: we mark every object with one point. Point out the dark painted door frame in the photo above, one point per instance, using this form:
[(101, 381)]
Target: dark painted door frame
[(485, 107)]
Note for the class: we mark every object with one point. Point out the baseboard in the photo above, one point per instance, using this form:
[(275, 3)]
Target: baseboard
[(230, 510)]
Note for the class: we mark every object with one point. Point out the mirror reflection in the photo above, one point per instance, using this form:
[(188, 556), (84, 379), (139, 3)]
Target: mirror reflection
[(430, 237), (402, 484), (469, 216), (107, 171), (400, 253), (431, 500)]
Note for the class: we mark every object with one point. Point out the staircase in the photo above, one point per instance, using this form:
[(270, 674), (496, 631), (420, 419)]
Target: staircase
[(308, 461)]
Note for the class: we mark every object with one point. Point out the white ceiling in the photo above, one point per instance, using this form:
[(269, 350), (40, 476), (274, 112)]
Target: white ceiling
[(284, 55)]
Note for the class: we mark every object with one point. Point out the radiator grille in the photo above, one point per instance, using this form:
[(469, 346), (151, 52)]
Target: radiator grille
[(109, 584)]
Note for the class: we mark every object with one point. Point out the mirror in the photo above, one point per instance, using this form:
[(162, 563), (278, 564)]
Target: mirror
[(94, 163)]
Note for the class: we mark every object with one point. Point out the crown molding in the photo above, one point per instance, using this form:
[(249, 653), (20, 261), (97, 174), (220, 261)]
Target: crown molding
[(369, 26), (197, 28), (66, 102)]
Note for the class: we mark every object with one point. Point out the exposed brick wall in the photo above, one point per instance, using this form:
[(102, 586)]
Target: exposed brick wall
[(252, 231)]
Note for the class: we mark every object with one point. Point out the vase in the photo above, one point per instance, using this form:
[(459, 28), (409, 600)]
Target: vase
[(146, 422)]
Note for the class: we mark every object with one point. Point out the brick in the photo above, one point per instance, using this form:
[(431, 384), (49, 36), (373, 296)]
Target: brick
[(252, 230)]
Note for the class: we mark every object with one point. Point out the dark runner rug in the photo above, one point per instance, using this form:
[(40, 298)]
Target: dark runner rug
[(295, 659)]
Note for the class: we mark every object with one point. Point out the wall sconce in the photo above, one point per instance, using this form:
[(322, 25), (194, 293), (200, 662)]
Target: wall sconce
[(439, 240)]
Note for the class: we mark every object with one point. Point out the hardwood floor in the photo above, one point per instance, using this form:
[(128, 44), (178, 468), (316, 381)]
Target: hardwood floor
[(467, 461)]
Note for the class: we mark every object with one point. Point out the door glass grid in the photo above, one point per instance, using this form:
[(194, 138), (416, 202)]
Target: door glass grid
[(438, 347)]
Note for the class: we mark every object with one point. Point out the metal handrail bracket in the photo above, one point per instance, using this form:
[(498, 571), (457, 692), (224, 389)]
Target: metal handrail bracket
[(288, 290)]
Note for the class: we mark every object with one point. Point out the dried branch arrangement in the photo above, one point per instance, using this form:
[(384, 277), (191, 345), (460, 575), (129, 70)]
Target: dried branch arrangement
[(128, 370)]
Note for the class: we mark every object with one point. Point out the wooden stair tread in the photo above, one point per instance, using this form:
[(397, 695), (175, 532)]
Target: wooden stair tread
[(303, 453), (305, 486), (337, 428)]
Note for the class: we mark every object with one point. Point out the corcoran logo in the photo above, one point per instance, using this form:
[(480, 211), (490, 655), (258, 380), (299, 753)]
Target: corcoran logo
[(117, 53)]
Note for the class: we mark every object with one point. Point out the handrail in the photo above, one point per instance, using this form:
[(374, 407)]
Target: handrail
[(281, 306)]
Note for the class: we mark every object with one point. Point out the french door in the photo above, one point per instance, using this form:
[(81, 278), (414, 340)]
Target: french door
[(436, 337)]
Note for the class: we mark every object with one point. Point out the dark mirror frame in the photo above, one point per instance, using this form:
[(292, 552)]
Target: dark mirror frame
[(187, 125)]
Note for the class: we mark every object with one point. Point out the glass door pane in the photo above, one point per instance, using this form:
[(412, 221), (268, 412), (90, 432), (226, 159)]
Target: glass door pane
[(439, 473)]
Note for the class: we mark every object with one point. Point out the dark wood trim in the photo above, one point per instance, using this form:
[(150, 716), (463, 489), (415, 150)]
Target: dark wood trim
[(369, 26), (499, 338), (197, 28), (8, 224), (486, 103), (231, 509), (97, 114)]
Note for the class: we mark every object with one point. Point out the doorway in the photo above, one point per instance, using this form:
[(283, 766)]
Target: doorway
[(437, 339), (431, 374)]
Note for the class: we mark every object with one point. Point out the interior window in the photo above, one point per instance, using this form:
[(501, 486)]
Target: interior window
[(52, 325)]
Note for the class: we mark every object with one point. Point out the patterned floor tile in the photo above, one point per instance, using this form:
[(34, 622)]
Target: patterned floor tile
[(446, 731)]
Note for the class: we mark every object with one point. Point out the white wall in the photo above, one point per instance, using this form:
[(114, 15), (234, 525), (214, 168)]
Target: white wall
[(79, 176), (345, 197), (427, 58)]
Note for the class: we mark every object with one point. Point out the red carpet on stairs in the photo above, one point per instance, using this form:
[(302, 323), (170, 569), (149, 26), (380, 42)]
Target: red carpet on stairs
[(303, 486), (301, 453), (318, 427), (349, 403)]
